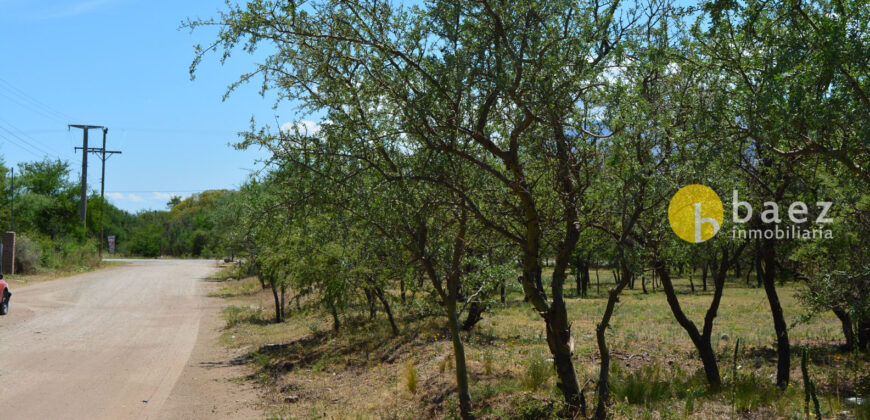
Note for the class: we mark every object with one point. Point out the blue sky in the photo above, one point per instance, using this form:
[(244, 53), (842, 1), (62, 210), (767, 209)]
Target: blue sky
[(124, 64)]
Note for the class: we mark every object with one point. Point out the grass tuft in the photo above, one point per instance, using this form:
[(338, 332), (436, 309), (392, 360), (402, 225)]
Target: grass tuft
[(537, 371), (643, 386), (410, 377)]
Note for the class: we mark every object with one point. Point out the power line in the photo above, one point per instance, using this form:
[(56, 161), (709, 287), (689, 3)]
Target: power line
[(38, 144), (25, 141), (10, 87), (29, 107), (22, 147)]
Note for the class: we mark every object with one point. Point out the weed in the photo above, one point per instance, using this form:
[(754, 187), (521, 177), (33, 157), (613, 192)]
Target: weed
[(410, 377), (488, 360)]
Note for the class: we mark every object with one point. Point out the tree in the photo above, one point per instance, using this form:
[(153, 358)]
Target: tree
[(511, 86)]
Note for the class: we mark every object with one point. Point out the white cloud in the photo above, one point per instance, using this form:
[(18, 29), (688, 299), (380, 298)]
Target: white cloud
[(124, 197), (306, 127), (162, 196)]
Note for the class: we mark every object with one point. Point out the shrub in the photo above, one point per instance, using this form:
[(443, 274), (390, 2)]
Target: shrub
[(235, 315), (537, 372), (643, 386), (28, 255), (76, 254)]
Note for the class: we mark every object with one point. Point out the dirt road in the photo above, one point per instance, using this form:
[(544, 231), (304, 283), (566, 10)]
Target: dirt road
[(110, 344)]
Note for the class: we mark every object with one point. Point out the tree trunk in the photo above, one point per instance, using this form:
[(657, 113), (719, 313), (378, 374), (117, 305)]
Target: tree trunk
[(692, 279), (336, 323), (748, 274), (379, 292), (559, 342), (643, 283), (864, 334), (783, 350), (278, 318), (584, 278), (475, 314), (577, 276), (603, 388), (502, 291), (402, 289), (283, 293), (704, 275), (597, 281), (848, 332), (559, 330), (458, 353), (758, 271), (370, 302), (701, 341)]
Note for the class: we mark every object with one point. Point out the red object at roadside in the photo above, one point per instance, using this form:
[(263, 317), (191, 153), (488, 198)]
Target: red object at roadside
[(5, 295)]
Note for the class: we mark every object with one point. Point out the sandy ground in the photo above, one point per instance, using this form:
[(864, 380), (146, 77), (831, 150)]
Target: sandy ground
[(131, 342)]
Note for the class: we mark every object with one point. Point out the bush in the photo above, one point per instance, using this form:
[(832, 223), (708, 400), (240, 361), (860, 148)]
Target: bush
[(537, 371), (41, 253), (28, 255), (76, 254), (643, 386), (235, 315)]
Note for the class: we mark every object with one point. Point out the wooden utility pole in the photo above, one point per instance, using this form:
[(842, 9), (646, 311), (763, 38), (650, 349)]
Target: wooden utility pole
[(83, 209), (12, 206), (103, 188), (104, 154)]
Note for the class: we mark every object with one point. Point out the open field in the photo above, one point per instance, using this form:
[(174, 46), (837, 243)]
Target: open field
[(362, 371)]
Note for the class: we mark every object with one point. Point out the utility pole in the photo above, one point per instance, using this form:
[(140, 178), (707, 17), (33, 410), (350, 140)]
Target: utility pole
[(104, 155), (103, 189), (83, 210), (12, 208)]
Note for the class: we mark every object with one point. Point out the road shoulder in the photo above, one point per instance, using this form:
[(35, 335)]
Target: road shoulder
[(213, 383)]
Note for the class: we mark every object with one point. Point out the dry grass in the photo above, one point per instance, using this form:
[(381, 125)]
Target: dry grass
[(310, 372)]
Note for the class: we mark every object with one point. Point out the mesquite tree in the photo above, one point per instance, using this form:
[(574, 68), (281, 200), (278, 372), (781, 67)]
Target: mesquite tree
[(507, 88)]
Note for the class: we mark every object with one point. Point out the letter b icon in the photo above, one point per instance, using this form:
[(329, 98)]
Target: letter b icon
[(695, 213)]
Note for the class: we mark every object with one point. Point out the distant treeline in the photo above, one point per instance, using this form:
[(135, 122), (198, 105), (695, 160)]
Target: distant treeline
[(50, 235)]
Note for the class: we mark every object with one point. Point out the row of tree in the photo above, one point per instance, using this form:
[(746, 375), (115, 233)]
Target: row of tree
[(463, 144), (42, 206)]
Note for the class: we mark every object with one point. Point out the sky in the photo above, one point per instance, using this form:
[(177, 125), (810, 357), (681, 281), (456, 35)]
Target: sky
[(124, 64)]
